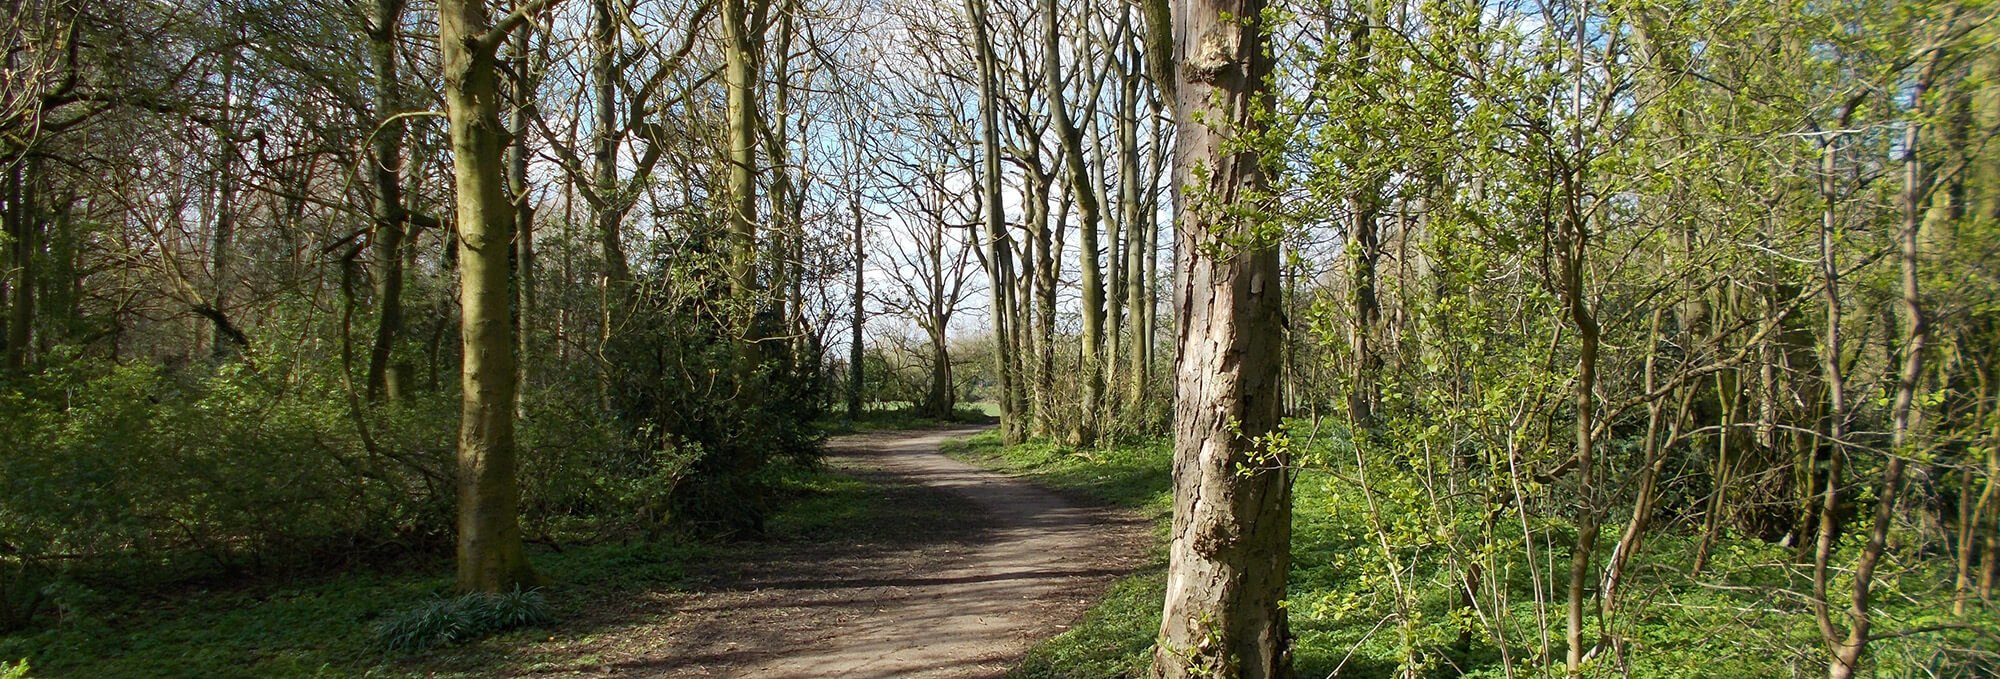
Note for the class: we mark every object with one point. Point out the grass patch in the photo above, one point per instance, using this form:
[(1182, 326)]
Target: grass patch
[(453, 621), (824, 502), (1114, 638), (327, 628), (1135, 475)]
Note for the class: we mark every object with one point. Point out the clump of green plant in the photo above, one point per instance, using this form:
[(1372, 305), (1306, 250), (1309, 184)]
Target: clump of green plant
[(14, 670), (448, 622)]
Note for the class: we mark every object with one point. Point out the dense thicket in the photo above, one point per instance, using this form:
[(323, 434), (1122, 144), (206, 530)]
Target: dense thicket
[(1623, 287)]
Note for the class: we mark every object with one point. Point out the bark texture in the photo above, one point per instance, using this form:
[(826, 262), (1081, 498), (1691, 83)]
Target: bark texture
[(1232, 496), (490, 554)]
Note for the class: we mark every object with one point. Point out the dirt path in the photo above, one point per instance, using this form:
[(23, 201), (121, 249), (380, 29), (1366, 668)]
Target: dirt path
[(959, 573)]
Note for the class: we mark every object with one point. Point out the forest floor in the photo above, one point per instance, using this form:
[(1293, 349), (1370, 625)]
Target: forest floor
[(950, 571)]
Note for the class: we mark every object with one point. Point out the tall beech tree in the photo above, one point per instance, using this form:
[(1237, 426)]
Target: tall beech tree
[(491, 557)]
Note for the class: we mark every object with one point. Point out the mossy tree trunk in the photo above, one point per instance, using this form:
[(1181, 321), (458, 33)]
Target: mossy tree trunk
[(490, 554), (740, 74)]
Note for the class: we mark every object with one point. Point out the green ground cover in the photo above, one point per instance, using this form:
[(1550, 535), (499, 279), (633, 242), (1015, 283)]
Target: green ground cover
[(1743, 620), (327, 626)]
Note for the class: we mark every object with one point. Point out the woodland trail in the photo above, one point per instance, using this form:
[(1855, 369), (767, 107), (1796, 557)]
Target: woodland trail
[(956, 573)]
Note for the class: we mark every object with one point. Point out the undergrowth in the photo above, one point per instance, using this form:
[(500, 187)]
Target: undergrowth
[(1740, 622), (334, 626), (456, 620)]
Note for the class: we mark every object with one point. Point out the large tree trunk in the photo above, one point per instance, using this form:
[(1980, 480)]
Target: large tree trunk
[(490, 553), (386, 168), (1232, 495)]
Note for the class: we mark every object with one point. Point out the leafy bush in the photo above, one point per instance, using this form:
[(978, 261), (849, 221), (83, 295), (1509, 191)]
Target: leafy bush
[(112, 463), (115, 470), (448, 622), (13, 670), (705, 408)]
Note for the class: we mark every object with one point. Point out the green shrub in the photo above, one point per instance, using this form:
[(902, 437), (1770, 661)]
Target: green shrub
[(137, 475), (13, 670), (449, 622)]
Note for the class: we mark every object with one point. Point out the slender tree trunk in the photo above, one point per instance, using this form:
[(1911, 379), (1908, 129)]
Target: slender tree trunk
[(1151, 323), (1582, 556), (855, 371), (1990, 563), (1231, 534), (525, 313), (490, 554), (1836, 385), (785, 234), (1089, 212), (1364, 247), (1131, 215), (1642, 500), (222, 239), (1971, 513), (1917, 180), (64, 279), (999, 247), (25, 234), (604, 157), (386, 171), (1574, 259), (1727, 459), (1045, 301), (21, 305)]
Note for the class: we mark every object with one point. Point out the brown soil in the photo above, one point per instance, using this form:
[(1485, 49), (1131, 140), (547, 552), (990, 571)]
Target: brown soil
[(955, 574)]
